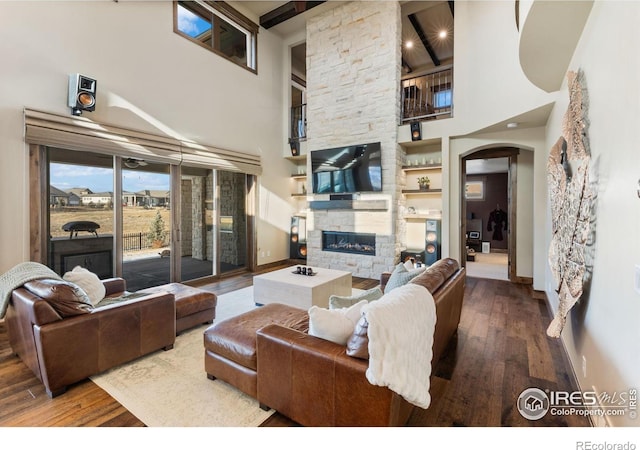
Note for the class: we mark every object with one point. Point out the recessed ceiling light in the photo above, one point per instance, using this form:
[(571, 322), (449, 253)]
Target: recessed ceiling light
[(512, 125), (442, 34), (408, 44)]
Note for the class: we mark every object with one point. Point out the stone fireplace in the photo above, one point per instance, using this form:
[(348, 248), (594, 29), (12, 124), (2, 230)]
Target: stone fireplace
[(353, 98), (343, 242)]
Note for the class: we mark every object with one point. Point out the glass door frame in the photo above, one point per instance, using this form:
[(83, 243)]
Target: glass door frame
[(39, 223)]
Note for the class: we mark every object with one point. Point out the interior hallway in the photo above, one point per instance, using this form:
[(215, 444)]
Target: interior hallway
[(492, 266)]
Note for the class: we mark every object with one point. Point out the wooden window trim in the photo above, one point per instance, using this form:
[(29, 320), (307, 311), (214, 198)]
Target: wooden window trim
[(228, 11)]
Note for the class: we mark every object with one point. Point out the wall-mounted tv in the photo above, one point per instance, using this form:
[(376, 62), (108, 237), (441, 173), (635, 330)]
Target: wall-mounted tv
[(354, 168)]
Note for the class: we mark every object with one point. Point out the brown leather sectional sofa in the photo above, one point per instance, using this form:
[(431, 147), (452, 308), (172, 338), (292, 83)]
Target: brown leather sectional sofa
[(70, 342), (314, 381)]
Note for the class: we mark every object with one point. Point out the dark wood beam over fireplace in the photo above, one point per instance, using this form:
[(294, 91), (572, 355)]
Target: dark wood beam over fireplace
[(286, 12), (423, 38)]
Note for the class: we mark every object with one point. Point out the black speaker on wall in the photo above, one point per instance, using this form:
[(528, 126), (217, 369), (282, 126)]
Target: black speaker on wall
[(298, 238), (82, 93), (416, 131), (433, 238)]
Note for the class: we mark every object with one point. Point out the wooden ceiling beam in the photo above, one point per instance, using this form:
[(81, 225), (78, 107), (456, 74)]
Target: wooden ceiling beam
[(423, 38), (451, 7), (406, 65), (286, 12)]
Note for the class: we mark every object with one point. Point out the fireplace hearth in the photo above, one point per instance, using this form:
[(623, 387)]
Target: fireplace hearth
[(343, 242)]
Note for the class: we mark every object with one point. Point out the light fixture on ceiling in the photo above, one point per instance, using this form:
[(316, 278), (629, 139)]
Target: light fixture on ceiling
[(408, 44), (133, 163), (512, 125), (442, 34)]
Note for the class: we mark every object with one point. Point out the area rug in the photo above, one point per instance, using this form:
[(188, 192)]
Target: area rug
[(171, 389)]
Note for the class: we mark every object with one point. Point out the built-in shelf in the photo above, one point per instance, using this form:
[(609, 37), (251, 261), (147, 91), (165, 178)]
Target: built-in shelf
[(419, 216), (299, 176), (296, 158), (421, 191), (298, 195), (422, 167)]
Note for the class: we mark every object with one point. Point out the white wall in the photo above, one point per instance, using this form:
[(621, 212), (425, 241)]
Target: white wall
[(149, 78), (603, 326), (490, 88)]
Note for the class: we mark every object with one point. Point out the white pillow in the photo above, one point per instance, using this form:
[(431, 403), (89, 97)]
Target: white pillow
[(337, 301), (88, 282), (408, 264), (335, 325)]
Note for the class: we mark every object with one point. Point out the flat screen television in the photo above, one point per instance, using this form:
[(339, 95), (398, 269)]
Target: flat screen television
[(355, 168)]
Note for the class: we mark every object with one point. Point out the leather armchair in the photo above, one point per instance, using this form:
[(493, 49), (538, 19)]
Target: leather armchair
[(64, 350)]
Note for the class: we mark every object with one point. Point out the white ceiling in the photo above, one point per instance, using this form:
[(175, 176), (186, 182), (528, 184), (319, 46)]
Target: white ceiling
[(293, 25), (261, 7)]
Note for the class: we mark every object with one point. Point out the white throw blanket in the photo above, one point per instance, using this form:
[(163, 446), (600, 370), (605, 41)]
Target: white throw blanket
[(19, 275), (401, 327)]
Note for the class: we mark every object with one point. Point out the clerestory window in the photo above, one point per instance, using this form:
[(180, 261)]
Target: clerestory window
[(218, 27)]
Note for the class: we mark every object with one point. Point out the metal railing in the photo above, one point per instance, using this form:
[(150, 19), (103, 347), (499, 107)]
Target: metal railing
[(427, 96), (135, 241), (299, 122)]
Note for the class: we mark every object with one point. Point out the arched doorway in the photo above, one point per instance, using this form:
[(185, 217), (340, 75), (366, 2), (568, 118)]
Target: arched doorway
[(488, 211)]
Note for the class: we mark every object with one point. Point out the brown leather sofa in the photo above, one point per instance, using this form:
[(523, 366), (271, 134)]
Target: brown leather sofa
[(69, 342), (316, 383)]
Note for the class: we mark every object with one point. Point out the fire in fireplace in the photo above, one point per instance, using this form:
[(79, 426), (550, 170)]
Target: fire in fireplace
[(339, 241)]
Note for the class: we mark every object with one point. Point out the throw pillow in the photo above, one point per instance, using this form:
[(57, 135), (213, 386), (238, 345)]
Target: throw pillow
[(88, 282), (66, 298), (401, 276), (358, 343), (336, 301), (335, 325)]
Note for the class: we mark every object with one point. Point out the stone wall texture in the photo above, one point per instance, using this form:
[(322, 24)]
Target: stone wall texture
[(353, 79)]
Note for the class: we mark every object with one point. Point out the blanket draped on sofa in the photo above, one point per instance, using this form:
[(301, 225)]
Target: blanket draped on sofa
[(401, 327), (19, 275)]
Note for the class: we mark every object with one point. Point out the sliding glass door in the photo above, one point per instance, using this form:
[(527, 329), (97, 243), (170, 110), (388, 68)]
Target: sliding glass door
[(146, 224), (81, 212), (197, 210), (232, 221), (149, 222)]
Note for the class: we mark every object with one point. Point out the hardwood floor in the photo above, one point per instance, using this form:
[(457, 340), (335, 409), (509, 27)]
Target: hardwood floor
[(500, 349)]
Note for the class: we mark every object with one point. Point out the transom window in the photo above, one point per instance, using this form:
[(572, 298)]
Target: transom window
[(219, 28)]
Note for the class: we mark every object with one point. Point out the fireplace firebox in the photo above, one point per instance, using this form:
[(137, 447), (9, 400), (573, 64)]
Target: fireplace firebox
[(343, 242)]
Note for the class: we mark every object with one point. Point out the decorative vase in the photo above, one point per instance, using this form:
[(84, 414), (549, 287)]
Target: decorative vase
[(424, 187)]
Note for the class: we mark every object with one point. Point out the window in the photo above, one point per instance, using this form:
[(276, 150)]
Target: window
[(442, 96), (219, 28), (474, 190)]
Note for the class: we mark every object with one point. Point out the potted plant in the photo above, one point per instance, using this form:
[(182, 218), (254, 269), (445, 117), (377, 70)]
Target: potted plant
[(423, 183)]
